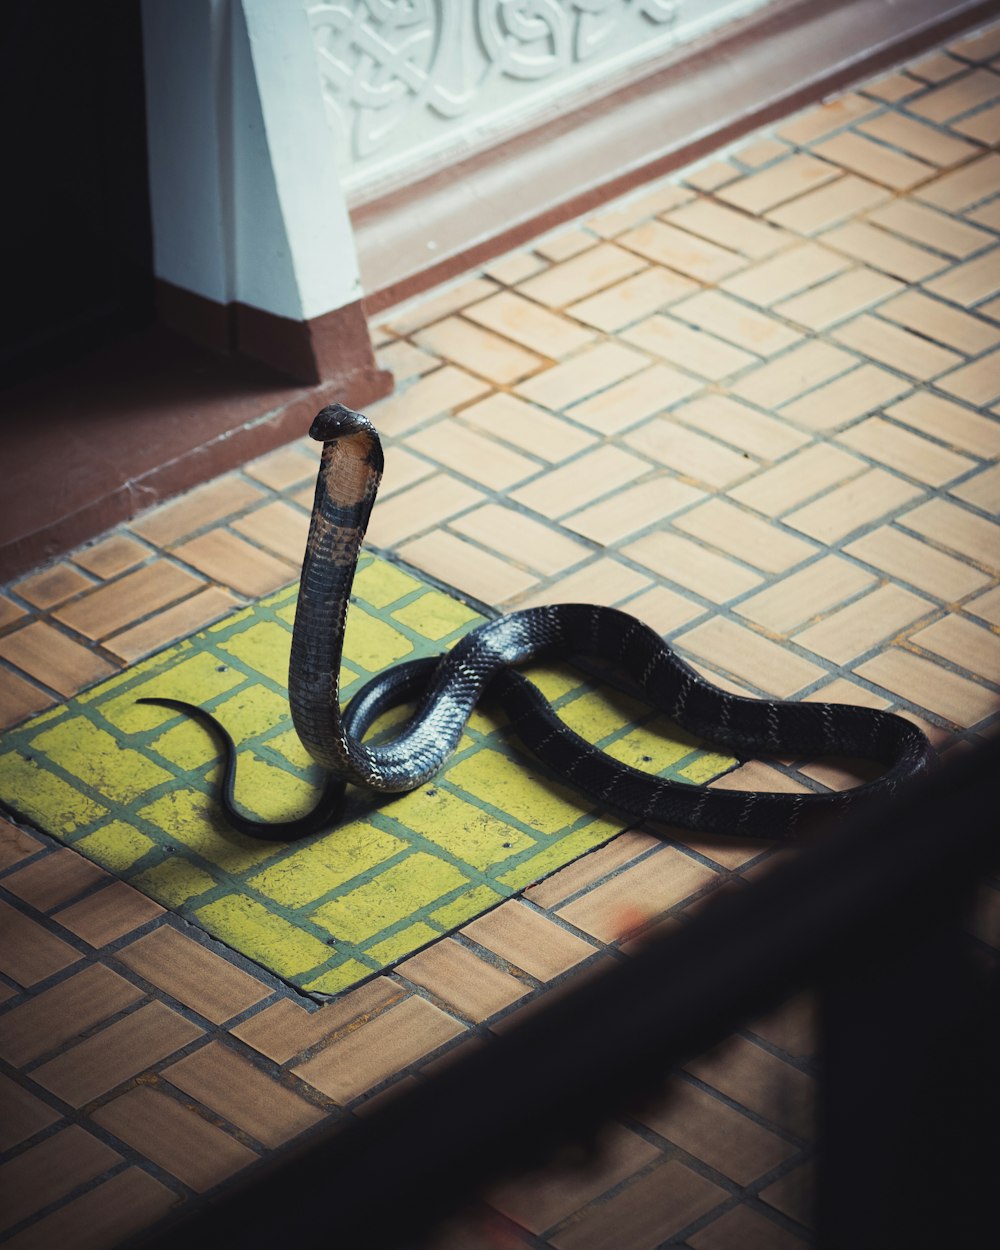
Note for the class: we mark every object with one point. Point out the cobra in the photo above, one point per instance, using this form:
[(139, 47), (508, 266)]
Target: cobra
[(447, 688)]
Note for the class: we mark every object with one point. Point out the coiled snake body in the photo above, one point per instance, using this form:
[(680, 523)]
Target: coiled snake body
[(448, 688)]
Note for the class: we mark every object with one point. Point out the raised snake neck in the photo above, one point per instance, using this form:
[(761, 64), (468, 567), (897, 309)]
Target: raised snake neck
[(448, 688)]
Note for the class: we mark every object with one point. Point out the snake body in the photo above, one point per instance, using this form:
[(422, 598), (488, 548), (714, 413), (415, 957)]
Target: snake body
[(447, 689)]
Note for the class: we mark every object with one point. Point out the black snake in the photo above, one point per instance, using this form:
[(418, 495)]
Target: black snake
[(447, 689)]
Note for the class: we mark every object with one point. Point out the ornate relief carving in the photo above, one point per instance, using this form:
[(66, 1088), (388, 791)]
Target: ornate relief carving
[(403, 77)]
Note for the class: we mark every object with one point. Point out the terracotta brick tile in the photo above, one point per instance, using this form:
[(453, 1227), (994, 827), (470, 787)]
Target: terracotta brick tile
[(120, 1051), (548, 1196), (421, 507), (927, 143), (939, 321), (987, 606), (797, 479), (793, 1027), (536, 328), (852, 395), (689, 565), (760, 1081), (401, 470), (437, 392), (828, 205), (49, 1171), (49, 656), (620, 214), (905, 452), (378, 1049), (478, 350), (963, 643), (983, 126), (425, 311), (22, 1115), (957, 529), (640, 1216), (192, 974), (580, 376), (839, 298), (647, 292), (953, 424), (677, 249), (529, 940), (711, 174), (694, 350), (10, 612), (469, 985), (741, 1228), (175, 1138), (527, 427), (864, 623), (664, 610), (755, 541), (640, 396), (205, 505), (978, 383), (946, 694), (749, 657), (120, 603), (798, 598), (472, 455), (926, 225), (858, 502), (513, 268), (983, 45), (468, 568), (57, 1015), (968, 283), (519, 538), (54, 879), (732, 320), (19, 698), (219, 1078), (585, 274), (791, 177), (729, 228), (227, 558), (53, 585), (278, 528), (885, 251), (28, 952), (172, 624), (111, 556), (896, 347), (760, 152), (632, 509), (604, 581), (959, 95), (109, 914), (821, 120), (982, 491), (960, 189), (648, 888), (892, 87), (286, 466), (859, 155), (715, 1133), (404, 361), (101, 1217), (741, 426), (16, 844), (782, 276), (936, 67), (590, 476), (683, 451), (799, 370), (566, 242), (628, 846), (285, 1029), (906, 558), (793, 1194)]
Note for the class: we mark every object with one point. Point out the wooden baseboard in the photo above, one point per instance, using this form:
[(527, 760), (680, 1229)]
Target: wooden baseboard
[(783, 57)]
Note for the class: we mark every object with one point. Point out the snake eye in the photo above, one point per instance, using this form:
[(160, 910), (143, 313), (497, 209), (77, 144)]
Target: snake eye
[(335, 421)]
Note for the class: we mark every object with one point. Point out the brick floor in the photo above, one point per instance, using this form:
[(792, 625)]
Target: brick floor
[(757, 403)]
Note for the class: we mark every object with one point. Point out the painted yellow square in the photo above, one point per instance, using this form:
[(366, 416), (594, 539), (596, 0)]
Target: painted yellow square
[(327, 863), (466, 907), (174, 881), (403, 943), (116, 845), (372, 643), (37, 794), (248, 926), (342, 977), (380, 583), (509, 786), (459, 827), (435, 616), (264, 647), (192, 818)]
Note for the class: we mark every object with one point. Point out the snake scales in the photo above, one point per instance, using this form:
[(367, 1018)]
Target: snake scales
[(448, 688)]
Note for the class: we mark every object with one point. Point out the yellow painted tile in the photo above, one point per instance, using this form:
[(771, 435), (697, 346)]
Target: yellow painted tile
[(435, 615), (34, 792), (460, 828), (349, 973), (190, 817), (493, 777), (116, 845), (380, 583), (100, 760), (468, 904), (174, 882), (402, 943), (325, 864), (249, 927)]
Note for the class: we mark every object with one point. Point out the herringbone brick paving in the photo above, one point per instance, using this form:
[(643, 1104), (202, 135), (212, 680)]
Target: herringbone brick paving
[(758, 405)]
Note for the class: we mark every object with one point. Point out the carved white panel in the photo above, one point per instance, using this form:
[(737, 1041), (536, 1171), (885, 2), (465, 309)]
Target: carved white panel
[(410, 81)]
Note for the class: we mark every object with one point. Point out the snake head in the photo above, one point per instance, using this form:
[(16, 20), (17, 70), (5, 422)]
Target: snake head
[(335, 422)]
